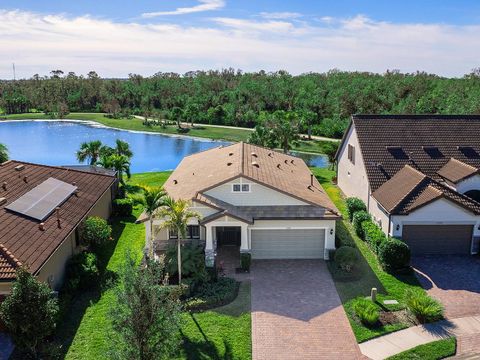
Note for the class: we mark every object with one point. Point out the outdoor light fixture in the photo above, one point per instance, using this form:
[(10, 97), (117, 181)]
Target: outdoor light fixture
[(397, 227), (331, 231)]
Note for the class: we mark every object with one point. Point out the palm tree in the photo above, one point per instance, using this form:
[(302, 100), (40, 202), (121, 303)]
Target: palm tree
[(123, 148), (90, 150), (3, 153), (119, 163), (176, 214), (152, 198)]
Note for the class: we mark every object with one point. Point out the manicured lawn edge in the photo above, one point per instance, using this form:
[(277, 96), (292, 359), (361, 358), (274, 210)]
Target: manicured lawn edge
[(199, 131), (432, 351), (368, 273)]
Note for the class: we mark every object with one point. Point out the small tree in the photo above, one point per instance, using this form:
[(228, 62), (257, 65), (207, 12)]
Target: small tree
[(29, 312), (95, 231), (146, 315), (330, 149)]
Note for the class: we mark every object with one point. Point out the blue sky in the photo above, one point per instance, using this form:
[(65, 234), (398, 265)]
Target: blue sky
[(120, 37)]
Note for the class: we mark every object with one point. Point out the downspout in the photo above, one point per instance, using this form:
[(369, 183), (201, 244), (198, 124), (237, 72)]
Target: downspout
[(368, 198), (389, 223)]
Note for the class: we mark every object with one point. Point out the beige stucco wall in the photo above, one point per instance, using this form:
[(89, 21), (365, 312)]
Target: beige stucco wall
[(352, 178), (103, 208), (5, 288), (379, 215), (259, 195)]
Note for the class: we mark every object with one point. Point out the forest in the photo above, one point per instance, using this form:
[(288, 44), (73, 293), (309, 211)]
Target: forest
[(322, 101)]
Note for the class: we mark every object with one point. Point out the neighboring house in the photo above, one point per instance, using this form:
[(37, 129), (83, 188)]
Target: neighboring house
[(253, 200), (41, 208), (419, 176)]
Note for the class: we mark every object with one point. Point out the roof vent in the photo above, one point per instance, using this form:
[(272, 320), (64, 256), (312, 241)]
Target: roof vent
[(230, 154), (270, 154), (254, 163), (25, 178), (433, 152), (229, 164), (397, 152), (278, 166), (254, 154), (19, 167), (41, 226), (291, 161), (469, 152), (3, 201), (310, 187), (4, 185), (175, 182), (286, 161)]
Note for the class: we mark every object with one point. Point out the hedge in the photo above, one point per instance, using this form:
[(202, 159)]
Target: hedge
[(123, 207), (374, 236), (358, 218), (353, 205), (394, 255)]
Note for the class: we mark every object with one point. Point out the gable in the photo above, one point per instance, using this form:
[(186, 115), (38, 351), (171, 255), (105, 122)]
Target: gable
[(259, 195), (441, 210)]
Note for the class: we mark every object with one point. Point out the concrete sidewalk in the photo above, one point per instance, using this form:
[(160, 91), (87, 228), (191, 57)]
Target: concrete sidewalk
[(397, 342)]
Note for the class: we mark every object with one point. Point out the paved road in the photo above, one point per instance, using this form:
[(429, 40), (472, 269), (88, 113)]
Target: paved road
[(297, 314)]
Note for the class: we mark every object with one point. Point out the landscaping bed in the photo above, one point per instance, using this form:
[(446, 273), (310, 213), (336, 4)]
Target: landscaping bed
[(435, 350)]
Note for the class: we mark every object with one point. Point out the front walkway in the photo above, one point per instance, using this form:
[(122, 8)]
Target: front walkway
[(467, 331), (297, 314)]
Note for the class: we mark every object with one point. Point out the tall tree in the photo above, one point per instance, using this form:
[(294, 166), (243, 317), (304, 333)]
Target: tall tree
[(176, 215), (3, 153), (123, 148), (146, 315), (29, 312), (119, 163), (90, 151)]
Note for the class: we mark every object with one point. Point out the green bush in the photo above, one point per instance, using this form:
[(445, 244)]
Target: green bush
[(193, 263), (346, 257), (358, 218), (366, 311), (123, 207), (374, 236), (212, 294), (95, 231), (423, 307), (353, 205), (245, 261), (82, 271), (394, 255)]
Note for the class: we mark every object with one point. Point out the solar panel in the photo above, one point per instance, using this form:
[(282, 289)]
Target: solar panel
[(42, 200)]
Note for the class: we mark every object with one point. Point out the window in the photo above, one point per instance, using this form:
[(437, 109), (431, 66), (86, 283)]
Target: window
[(193, 232), (397, 152), (172, 234), (351, 153), (433, 151), (241, 187)]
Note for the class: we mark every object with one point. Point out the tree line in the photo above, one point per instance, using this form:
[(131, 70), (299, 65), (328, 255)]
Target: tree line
[(323, 101)]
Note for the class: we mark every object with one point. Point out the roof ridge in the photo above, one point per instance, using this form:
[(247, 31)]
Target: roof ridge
[(462, 163), (417, 116), (399, 202), (9, 256), (57, 167)]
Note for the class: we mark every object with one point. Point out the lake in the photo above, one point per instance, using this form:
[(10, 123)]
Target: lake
[(56, 143)]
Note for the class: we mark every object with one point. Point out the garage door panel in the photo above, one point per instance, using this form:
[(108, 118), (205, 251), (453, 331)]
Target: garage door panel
[(438, 239), (288, 244)]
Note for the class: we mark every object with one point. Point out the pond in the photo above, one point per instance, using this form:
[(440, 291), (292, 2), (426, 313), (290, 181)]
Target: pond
[(56, 143)]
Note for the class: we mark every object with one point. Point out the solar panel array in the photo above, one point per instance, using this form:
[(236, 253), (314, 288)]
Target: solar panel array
[(42, 200)]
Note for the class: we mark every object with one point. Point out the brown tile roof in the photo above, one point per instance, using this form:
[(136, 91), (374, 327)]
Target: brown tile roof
[(417, 135), (20, 235), (456, 171), (8, 264), (285, 173)]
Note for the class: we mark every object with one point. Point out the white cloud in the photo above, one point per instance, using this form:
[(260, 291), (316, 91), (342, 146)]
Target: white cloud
[(280, 15), (39, 43), (205, 5)]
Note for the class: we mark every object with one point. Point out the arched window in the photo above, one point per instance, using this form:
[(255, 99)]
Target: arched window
[(474, 194)]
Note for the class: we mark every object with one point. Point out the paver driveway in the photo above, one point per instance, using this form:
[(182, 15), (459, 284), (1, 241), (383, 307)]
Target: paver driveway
[(297, 314), (452, 279)]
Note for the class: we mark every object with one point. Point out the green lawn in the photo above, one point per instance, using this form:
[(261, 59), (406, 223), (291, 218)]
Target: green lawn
[(85, 332), (435, 350), (209, 132), (368, 272)]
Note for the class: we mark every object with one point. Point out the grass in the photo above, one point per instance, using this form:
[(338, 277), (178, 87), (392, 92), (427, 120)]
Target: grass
[(209, 132), (435, 350), (85, 332), (368, 272)]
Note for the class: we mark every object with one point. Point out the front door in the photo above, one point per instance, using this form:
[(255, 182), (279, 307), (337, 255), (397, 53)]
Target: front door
[(228, 236)]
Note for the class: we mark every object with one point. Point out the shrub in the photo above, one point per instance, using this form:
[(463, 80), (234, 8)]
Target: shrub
[(82, 271), (423, 307), (366, 311), (95, 231), (245, 261), (213, 294), (394, 255), (353, 205), (346, 257), (193, 263), (374, 236), (358, 218), (123, 207)]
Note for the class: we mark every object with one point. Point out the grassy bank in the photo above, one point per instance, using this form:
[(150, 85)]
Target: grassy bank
[(435, 350), (368, 272), (208, 132), (85, 332)]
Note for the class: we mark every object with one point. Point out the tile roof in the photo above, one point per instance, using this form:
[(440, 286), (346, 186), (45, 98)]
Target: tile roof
[(21, 236), (417, 136), (285, 173), (456, 171), (409, 157)]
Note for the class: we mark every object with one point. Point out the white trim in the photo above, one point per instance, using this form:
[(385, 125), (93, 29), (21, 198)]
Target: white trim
[(290, 228), (437, 223), (241, 187)]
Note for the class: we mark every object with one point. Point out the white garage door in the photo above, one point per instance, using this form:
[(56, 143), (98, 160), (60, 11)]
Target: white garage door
[(288, 244)]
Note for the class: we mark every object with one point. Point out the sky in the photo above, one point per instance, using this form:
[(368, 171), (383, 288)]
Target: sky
[(116, 38)]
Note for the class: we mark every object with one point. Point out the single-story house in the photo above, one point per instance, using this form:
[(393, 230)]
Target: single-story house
[(252, 200), (41, 208), (419, 177)]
